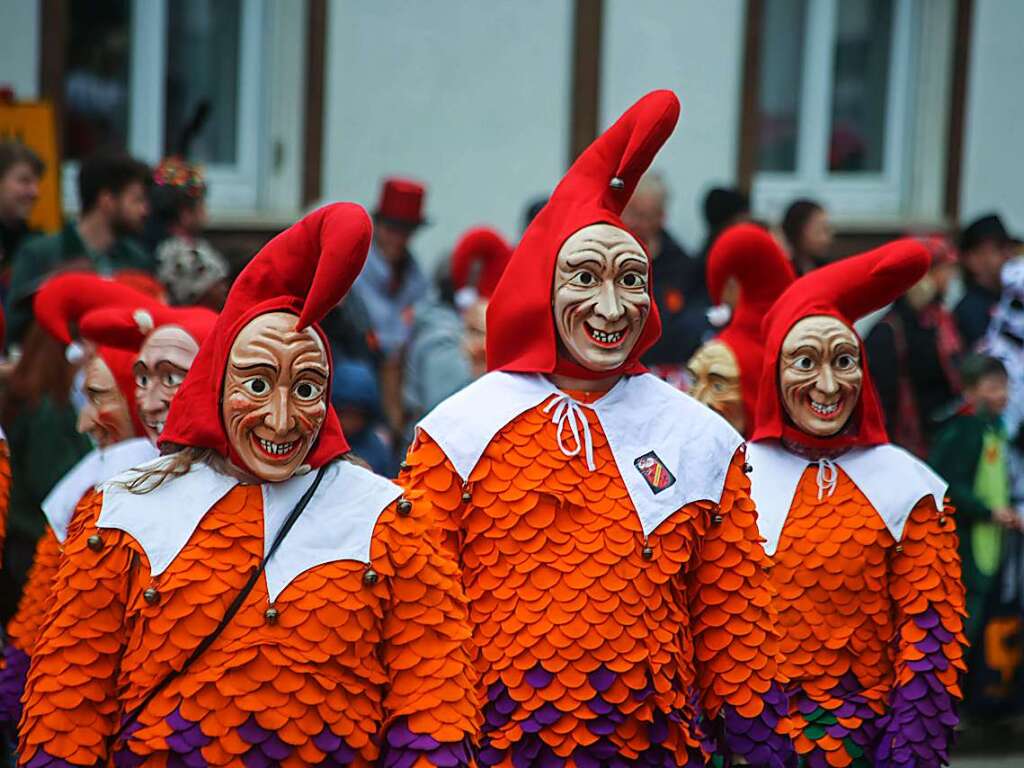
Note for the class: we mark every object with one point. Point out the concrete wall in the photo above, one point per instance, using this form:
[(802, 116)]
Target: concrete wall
[(696, 49), (472, 98), (993, 169), (19, 47)]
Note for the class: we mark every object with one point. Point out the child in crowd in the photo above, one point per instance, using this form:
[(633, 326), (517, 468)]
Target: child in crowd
[(970, 452)]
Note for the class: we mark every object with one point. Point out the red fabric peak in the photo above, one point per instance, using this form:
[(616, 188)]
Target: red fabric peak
[(752, 256), (62, 301), (846, 290), (521, 333), (305, 270), (487, 247), (126, 327)]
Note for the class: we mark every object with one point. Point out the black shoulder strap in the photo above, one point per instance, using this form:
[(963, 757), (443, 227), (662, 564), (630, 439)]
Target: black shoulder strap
[(229, 614)]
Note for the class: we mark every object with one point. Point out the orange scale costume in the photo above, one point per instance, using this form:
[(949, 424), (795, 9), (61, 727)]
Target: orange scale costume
[(866, 570), (308, 619), (60, 304), (617, 588)]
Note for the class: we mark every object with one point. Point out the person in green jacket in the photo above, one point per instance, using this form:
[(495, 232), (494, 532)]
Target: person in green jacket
[(112, 192)]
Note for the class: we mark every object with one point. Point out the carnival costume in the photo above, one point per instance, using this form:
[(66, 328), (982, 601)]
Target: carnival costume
[(726, 371), (610, 553), (176, 639), (866, 569), (60, 306)]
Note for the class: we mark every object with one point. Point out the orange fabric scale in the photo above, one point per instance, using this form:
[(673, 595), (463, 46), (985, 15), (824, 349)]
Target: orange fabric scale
[(588, 638), (314, 684), (852, 604)]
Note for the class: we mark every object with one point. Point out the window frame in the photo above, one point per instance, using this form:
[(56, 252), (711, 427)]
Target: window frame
[(232, 187), (849, 194)]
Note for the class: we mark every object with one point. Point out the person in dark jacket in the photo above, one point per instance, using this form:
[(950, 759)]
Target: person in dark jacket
[(915, 352), (985, 246), (21, 169), (808, 233), (112, 194)]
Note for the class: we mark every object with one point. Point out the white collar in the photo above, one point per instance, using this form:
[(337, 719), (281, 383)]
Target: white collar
[(892, 480), (650, 427), (96, 466), (337, 524)]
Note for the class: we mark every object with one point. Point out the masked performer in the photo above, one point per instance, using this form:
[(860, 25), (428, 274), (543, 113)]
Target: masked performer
[(609, 548), (109, 419), (866, 568), (255, 598), (747, 270)]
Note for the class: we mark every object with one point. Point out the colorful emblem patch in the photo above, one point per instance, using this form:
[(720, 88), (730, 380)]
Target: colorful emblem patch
[(655, 472)]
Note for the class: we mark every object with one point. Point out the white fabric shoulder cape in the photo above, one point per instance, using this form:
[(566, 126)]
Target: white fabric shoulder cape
[(337, 524), (891, 479), (647, 423), (96, 466)]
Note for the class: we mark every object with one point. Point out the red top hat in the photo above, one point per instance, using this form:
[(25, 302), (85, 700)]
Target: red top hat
[(846, 290), (483, 245), (750, 255), (401, 202), (306, 270), (521, 333)]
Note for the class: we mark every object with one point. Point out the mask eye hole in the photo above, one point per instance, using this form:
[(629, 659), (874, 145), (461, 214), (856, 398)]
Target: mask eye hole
[(307, 390), (583, 279), (257, 386), (803, 363)]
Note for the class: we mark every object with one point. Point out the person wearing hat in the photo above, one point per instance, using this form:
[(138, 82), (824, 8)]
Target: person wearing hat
[(866, 572), (618, 597), (747, 270), (191, 269), (295, 609), (985, 246), (110, 420), (392, 284)]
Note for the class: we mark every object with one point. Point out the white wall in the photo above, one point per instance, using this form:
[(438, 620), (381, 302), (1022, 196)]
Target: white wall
[(470, 97), (993, 169), (695, 48), (19, 47)]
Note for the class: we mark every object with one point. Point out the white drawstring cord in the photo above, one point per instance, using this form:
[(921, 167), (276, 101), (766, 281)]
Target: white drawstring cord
[(569, 411), (828, 476)]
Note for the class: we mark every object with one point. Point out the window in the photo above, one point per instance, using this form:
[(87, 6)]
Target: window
[(834, 84), (159, 77)]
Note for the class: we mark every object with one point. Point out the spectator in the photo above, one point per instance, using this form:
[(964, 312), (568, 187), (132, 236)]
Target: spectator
[(391, 284), (985, 246), (355, 396), (39, 421), (112, 195), (723, 207), (20, 172), (914, 354), (970, 453), (808, 234), (671, 268), (191, 269)]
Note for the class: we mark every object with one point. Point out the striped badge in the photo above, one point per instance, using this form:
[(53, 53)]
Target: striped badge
[(655, 472)]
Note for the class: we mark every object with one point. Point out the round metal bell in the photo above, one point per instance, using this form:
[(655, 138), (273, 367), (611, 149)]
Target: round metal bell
[(271, 615), (370, 577), (151, 596), (404, 507), (648, 553), (95, 542)]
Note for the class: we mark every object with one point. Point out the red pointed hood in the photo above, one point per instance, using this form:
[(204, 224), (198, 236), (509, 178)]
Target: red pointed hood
[(305, 270), (749, 254), (487, 247), (846, 290), (65, 303), (521, 333), (127, 327)]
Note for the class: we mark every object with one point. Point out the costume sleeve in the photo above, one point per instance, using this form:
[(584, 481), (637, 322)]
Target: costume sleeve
[(429, 471), (24, 626), (70, 703), (431, 708), (928, 595), (955, 457), (734, 633)]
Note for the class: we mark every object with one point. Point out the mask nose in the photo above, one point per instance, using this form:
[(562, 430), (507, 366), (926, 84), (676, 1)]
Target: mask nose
[(277, 418), (827, 383), (608, 305)]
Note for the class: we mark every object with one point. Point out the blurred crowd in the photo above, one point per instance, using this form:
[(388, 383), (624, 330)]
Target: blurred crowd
[(947, 358)]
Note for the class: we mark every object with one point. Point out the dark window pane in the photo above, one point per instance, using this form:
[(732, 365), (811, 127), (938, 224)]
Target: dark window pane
[(203, 46), (96, 95), (860, 85), (781, 77)]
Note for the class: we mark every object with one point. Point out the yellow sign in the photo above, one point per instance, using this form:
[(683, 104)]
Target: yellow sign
[(32, 123)]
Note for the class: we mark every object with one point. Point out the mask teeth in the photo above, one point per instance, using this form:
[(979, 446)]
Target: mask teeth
[(277, 449)]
